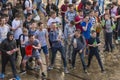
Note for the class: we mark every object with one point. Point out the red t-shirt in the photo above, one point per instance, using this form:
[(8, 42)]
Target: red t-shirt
[(64, 8), (78, 26)]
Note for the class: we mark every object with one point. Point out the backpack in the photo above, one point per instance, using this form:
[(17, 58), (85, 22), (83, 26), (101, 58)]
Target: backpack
[(23, 6), (19, 40)]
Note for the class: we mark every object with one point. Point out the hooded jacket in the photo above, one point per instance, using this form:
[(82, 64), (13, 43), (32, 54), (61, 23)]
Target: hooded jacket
[(7, 45)]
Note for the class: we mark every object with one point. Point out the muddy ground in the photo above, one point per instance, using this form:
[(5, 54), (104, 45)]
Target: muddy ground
[(111, 64)]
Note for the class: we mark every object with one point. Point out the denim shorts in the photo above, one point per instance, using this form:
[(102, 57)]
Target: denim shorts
[(28, 57), (45, 49)]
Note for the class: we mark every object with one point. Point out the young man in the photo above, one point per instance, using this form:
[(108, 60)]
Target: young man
[(53, 19), (4, 29), (78, 19), (42, 36), (63, 10), (8, 49), (93, 44), (56, 44), (87, 8), (17, 27), (35, 53), (86, 26), (108, 33), (51, 7), (92, 18), (28, 21), (29, 8), (33, 28), (69, 33), (23, 38), (70, 14), (79, 45)]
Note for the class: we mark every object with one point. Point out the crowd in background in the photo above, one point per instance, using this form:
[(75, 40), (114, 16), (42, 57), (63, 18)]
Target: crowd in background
[(71, 29)]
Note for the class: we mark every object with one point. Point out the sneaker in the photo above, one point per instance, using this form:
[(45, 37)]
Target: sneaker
[(23, 72), (50, 68), (88, 66), (85, 71), (66, 71), (73, 68), (43, 74), (2, 76), (37, 18), (37, 67), (116, 41), (118, 38), (103, 71), (17, 78), (105, 50)]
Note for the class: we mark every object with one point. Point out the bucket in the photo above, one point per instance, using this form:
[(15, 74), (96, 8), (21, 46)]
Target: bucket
[(28, 50)]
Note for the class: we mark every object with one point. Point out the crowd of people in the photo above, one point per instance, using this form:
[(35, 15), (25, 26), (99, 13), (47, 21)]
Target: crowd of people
[(71, 29)]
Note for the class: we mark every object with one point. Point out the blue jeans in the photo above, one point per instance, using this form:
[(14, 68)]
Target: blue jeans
[(34, 12), (101, 5), (68, 49), (63, 55), (57, 2), (40, 6), (81, 57), (4, 1)]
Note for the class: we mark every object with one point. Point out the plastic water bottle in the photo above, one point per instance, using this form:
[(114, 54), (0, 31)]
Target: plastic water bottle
[(75, 43)]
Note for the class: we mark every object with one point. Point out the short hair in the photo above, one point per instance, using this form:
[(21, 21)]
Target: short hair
[(33, 21), (17, 15), (80, 10), (25, 30), (88, 3), (2, 17), (9, 3), (39, 23), (92, 11), (66, 1), (78, 30), (52, 12), (28, 14), (70, 5), (93, 31), (72, 22), (31, 35), (5, 15), (114, 3), (94, 2), (86, 16)]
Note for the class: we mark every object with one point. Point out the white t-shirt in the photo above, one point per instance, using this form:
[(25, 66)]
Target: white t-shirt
[(18, 32), (51, 20), (24, 39), (3, 32)]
